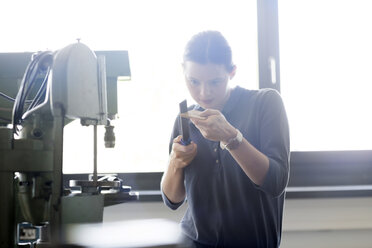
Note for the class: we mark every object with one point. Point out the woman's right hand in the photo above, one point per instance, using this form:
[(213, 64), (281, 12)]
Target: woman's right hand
[(181, 156)]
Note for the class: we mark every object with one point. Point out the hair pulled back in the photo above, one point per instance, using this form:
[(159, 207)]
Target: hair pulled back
[(209, 47)]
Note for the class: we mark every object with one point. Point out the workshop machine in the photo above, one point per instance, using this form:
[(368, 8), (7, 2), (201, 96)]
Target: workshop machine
[(40, 94)]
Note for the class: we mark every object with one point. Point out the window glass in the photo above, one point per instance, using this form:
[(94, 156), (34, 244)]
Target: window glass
[(154, 33), (325, 61)]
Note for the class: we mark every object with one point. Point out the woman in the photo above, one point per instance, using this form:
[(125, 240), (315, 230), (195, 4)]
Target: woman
[(236, 168)]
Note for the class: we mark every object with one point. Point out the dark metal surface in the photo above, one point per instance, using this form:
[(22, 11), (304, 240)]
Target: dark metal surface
[(120, 197), (184, 124)]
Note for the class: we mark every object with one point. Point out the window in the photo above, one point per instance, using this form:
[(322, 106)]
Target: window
[(154, 33), (325, 53)]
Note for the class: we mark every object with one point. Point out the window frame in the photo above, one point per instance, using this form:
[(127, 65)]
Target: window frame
[(312, 173)]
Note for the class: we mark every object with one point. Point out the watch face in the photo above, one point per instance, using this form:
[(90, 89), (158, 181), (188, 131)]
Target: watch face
[(233, 144)]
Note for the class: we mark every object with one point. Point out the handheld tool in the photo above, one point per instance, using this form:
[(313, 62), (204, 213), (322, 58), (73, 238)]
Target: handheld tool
[(184, 124)]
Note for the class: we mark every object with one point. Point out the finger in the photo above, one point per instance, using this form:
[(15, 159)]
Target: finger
[(178, 147), (184, 152), (190, 153), (192, 114), (177, 139), (199, 123), (209, 112)]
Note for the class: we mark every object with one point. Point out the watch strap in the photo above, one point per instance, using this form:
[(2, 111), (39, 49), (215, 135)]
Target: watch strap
[(233, 143)]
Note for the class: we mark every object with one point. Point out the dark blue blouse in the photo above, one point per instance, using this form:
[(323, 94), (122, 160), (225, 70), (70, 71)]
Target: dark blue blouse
[(225, 208)]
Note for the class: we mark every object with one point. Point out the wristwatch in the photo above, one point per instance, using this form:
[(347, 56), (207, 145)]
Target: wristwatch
[(233, 143)]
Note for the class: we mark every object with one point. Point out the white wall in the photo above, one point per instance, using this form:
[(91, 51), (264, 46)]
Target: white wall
[(334, 222)]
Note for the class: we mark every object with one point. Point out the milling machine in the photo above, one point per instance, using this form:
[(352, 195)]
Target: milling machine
[(57, 88)]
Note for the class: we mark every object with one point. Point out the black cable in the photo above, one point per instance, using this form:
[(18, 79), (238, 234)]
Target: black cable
[(45, 66), (39, 67), (40, 95), (17, 111), (11, 98), (19, 101), (7, 97)]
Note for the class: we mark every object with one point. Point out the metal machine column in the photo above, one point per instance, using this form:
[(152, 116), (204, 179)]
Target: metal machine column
[(7, 227)]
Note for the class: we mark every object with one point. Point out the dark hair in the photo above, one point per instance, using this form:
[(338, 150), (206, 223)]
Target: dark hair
[(209, 47)]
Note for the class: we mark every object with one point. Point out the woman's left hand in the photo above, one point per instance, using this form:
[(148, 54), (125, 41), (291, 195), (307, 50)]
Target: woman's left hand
[(215, 127)]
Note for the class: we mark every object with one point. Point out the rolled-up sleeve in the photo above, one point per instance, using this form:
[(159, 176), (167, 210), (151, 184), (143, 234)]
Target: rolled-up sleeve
[(274, 142), (170, 204)]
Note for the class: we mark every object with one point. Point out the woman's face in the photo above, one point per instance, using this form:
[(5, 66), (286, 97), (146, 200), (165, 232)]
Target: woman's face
[(208, 84)]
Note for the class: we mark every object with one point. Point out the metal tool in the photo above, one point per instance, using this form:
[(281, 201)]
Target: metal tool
[(184, 124)]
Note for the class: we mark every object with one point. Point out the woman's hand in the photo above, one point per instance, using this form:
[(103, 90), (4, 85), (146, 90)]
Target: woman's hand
[(215, 127), (172, 182), (181, 156)]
